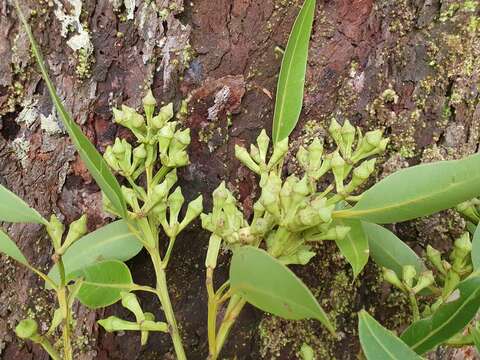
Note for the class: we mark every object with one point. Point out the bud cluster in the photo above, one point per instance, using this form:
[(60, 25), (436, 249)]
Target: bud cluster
[(291, 213), (144, 322), (160, 150), (55, 230), (448, 274)]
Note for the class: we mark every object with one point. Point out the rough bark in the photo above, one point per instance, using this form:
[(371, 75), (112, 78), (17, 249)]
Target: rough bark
[(222, 54)]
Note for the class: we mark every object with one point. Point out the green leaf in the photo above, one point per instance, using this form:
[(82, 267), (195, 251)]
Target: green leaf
[(476, 336), (8, 247), (355, 245), (111, 242), (93, 160), (389, 251), (476, 249), (450, 318), (103, 283), (418, 191), (291, 80), (379, 343), (269, 285), (13, 209)]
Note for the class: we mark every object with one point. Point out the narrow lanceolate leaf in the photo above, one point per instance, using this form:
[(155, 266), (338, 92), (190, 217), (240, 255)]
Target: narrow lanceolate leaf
[(111, 242), (291, 81), (355, 245), (476, 249), (379, 343), (389, 251), (9, 248), (418, 191), (269, 285), (450, 318), (14, 209), (93, 160), (103, 283)]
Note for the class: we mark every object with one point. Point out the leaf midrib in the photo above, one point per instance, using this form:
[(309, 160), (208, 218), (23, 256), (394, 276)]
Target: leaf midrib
[(287, 77), (365, 322)]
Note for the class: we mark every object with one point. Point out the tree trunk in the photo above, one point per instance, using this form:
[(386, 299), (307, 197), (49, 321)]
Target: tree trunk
[(410, 67)]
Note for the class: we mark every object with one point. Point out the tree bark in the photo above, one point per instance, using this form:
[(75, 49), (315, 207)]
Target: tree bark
[(410, 67)]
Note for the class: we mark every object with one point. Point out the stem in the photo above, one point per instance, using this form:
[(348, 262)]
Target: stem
[(414, 306), (63, 303), (166, 259), (48, 347), (162, 293), (234, 308), (212, 313)]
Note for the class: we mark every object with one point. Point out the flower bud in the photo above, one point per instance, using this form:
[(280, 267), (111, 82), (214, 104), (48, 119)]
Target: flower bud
[(130, 197), (220, 195), (212, 252), (255, 154), (27, 329), (165, 114), (315, 152), (408, 275), (391, 277), (178, 159), (334, 233), (245, 236), (425, 280), (302, 157), (335, 131), (183, 138), (140, 152), (113, 323), (338, 168), (111, 159), (286, 192), (348, 136), (55, 230), (279, 151), (308, 217), (463, 245), (119, 149), (77, 229), (133, 119), (175, 202), (263, 141), (130, 302), (242, 154), (361, 174), (119, 116), (194, 209), (373, 138), (435, 258), (149, 104)]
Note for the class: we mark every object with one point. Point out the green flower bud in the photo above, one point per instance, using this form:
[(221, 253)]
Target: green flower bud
[(306, 352), (178, 159), (220, 195), (391, 277), (111, 159), (300, 188), (27, 329), (302, 157), (140, 152), (435, 257), (408, 275), (113, 323), (463, 245), (119, 116), (165, 114), (160, 192), (468, 210), (315, 152), (451, 281), (133, 119), (242, 154), (263, 141), (255, 154), (130, 302), (212, 253), (269, 201), (325, 212), (149, 104), (338, 169), (183, 138), (308, 217), (194, 209), (361, 174), (373, 138), (425, 280), (77, 229), (55, 230), (335, 131), (130, 197), (165, 136), (175, 202), (348, 136), (279, 151), (334, 233), (119, 149), (171, 178), (286, 192)]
